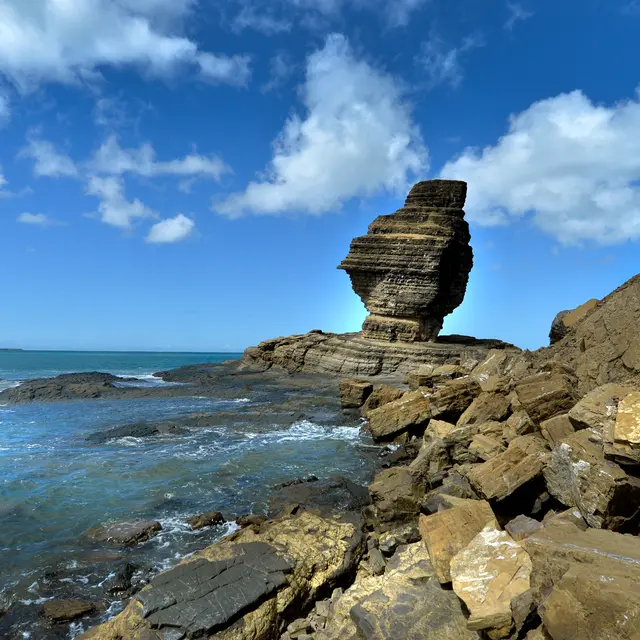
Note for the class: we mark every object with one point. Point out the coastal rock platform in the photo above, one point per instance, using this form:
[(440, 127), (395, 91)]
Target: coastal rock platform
[(351, 354)]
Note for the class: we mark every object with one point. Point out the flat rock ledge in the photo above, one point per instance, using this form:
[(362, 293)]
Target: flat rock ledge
[(349, 354)]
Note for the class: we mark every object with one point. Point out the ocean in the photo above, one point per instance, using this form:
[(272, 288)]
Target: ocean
[(54, 485)]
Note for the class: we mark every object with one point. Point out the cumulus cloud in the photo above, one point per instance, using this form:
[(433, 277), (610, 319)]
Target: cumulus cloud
[(442, 64), (356, 138), (250, 18), (112, 159), (64, 41), (171, 230), (114, 208), (571, 165), (47, 160), (36, 219)]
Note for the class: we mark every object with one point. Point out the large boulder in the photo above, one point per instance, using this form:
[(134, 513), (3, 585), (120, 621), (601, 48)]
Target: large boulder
[(522, 462), (246, 587), (409, 414), (491, 572), (486, 407), (449, 401), (578, 475), (382, 394), (354, 393), (547, 394), (412, 268), (592, 604), (406, 603), (396, 497), (449, 531)]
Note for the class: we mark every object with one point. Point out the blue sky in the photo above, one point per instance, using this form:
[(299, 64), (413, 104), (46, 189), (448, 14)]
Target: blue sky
[(187, 174)]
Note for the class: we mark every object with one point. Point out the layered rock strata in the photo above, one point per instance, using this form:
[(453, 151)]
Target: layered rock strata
[(412, 267)]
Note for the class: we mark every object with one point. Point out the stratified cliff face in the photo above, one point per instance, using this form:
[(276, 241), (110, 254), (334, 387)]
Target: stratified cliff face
[(412, 268)]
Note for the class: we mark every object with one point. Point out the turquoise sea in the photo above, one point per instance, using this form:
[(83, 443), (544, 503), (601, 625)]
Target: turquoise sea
[(54, 485)]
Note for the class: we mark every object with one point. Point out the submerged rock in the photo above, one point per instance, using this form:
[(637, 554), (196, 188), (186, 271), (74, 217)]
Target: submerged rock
[(125, 533), (205, 520), (412, 268), (60, 611)]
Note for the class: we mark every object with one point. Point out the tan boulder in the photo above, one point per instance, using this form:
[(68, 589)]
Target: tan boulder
[(410, 413), (578, 475), (61, 611), (488, 574), (545, 395), (439, 429), (593, 604), (518, 424), (560, 545), (485, 447), (382, 394), (396, 497), (429, 376), (452, 399), (447, 532), (353, 393), (524, 460), (556, 429), (432, 460), (405, 603), (486, 407), (627, 427)]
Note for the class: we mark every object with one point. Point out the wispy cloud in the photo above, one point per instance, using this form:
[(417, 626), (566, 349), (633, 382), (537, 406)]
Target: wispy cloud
[(442, 64), (48, 162), (37, 219), (517, 13), (282, 68)]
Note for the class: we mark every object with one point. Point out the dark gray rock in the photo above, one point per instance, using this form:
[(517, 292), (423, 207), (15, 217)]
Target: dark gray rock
[(199, 598), (137, 430), (334, 495), (125, 533)]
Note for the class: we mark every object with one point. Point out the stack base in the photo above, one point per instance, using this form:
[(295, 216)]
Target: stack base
[(350, 354)]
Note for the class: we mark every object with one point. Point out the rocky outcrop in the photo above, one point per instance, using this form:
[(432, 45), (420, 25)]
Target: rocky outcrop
[(249, 586), (412, 268), (352, 355), (603, 346), (565, 320)]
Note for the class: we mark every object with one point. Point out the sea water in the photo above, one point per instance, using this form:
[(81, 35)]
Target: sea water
[(54, 485)]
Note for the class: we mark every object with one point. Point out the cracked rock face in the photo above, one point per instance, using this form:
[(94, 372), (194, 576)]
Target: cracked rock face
[(412, 268), (199, 598)]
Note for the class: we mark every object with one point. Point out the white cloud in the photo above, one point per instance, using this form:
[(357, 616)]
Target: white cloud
[(517, 13), (572, 165), (356, 141), (47, 161), (171, 230), (442, 64), (114, 208), (112, 159), (69, 40), (37, 219)]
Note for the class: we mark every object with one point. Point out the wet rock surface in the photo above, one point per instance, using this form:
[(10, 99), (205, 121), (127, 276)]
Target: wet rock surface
[(125, 533), (201, 597)]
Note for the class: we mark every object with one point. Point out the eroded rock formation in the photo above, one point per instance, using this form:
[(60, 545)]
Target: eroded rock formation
[(412, 268)]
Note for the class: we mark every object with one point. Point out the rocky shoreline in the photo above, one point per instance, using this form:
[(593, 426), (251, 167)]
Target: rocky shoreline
[(506, 504)]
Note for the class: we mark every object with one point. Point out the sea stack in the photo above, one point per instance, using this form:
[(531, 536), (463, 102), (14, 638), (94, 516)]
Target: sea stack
[(412, 268)]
